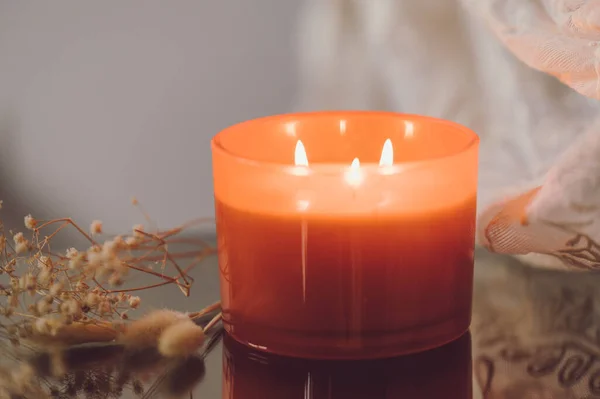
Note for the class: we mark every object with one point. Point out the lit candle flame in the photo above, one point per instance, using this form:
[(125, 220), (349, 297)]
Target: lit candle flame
[(300, 158), (354, 174), (387, 154)]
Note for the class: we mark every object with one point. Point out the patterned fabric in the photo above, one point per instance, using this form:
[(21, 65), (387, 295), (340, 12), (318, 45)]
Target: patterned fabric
[(501, 67), (536, 332)]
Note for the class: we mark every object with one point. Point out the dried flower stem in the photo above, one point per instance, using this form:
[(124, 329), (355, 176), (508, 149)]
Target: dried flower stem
[(206, 310), (213, 322), (61, 297)]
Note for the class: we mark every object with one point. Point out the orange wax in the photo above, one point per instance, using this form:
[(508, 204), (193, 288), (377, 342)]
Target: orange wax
[(325, 260)]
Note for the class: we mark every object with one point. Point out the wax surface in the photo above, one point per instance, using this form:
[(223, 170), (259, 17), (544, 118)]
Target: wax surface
[(359, 284)]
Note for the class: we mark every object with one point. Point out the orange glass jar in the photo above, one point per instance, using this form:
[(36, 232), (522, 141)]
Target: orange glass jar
[(345, 234)]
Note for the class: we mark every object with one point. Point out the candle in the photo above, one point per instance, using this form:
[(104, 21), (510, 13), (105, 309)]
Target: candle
[(345, 234), (444, 372)]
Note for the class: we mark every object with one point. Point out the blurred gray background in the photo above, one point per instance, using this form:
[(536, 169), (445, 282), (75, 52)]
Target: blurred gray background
[(103, 100)]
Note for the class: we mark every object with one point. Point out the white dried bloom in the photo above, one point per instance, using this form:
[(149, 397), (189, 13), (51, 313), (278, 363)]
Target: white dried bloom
[(30, 222), (94, 258), (56, 288), (104, 307), (119, 242), (115, 279), (72, 253), (44, 262), (92, 299), (109, 249), (134, 302), (96, 227), (28, 282), (44, 276), (21, 244), (43, 307), (42, 326), (21, 247), (76, 261), (19, 237), (82, 286), (181, 339), (132, 241), (73, 308)]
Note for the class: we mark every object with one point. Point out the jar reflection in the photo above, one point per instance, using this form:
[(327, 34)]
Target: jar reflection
[(444, 372)]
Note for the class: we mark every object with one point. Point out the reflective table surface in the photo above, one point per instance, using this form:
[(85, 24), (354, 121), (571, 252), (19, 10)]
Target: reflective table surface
[(535, 334)]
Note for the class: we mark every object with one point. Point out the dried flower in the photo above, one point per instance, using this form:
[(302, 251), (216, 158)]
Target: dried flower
[(43, 307), (115, 279), (92, 299), (96, 227), (76, 261), (72, 308), (71, 302), (137, 229), (30, 222), (181, 339), (44, 277), (56, 288), (19, 237), (146, 331), (72, 253), (44, 262), (104, 306), (134, 302), (21, 244), (132, 241), (10, 267), (42, 326), (94, 258), (81, 286), (21, 247)]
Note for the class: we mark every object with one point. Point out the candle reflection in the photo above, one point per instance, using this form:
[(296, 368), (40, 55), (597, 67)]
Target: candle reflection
[(444, 372)]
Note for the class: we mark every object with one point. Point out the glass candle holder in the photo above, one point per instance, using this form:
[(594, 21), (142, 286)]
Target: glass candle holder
[(345, 235), (444, 372)]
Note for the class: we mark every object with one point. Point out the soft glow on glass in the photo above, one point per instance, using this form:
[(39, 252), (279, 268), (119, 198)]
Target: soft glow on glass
[(409, 128), (342, 127), (290, 128)]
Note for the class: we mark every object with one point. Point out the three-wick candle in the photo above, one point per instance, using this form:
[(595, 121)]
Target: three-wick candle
[(345, 234)]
